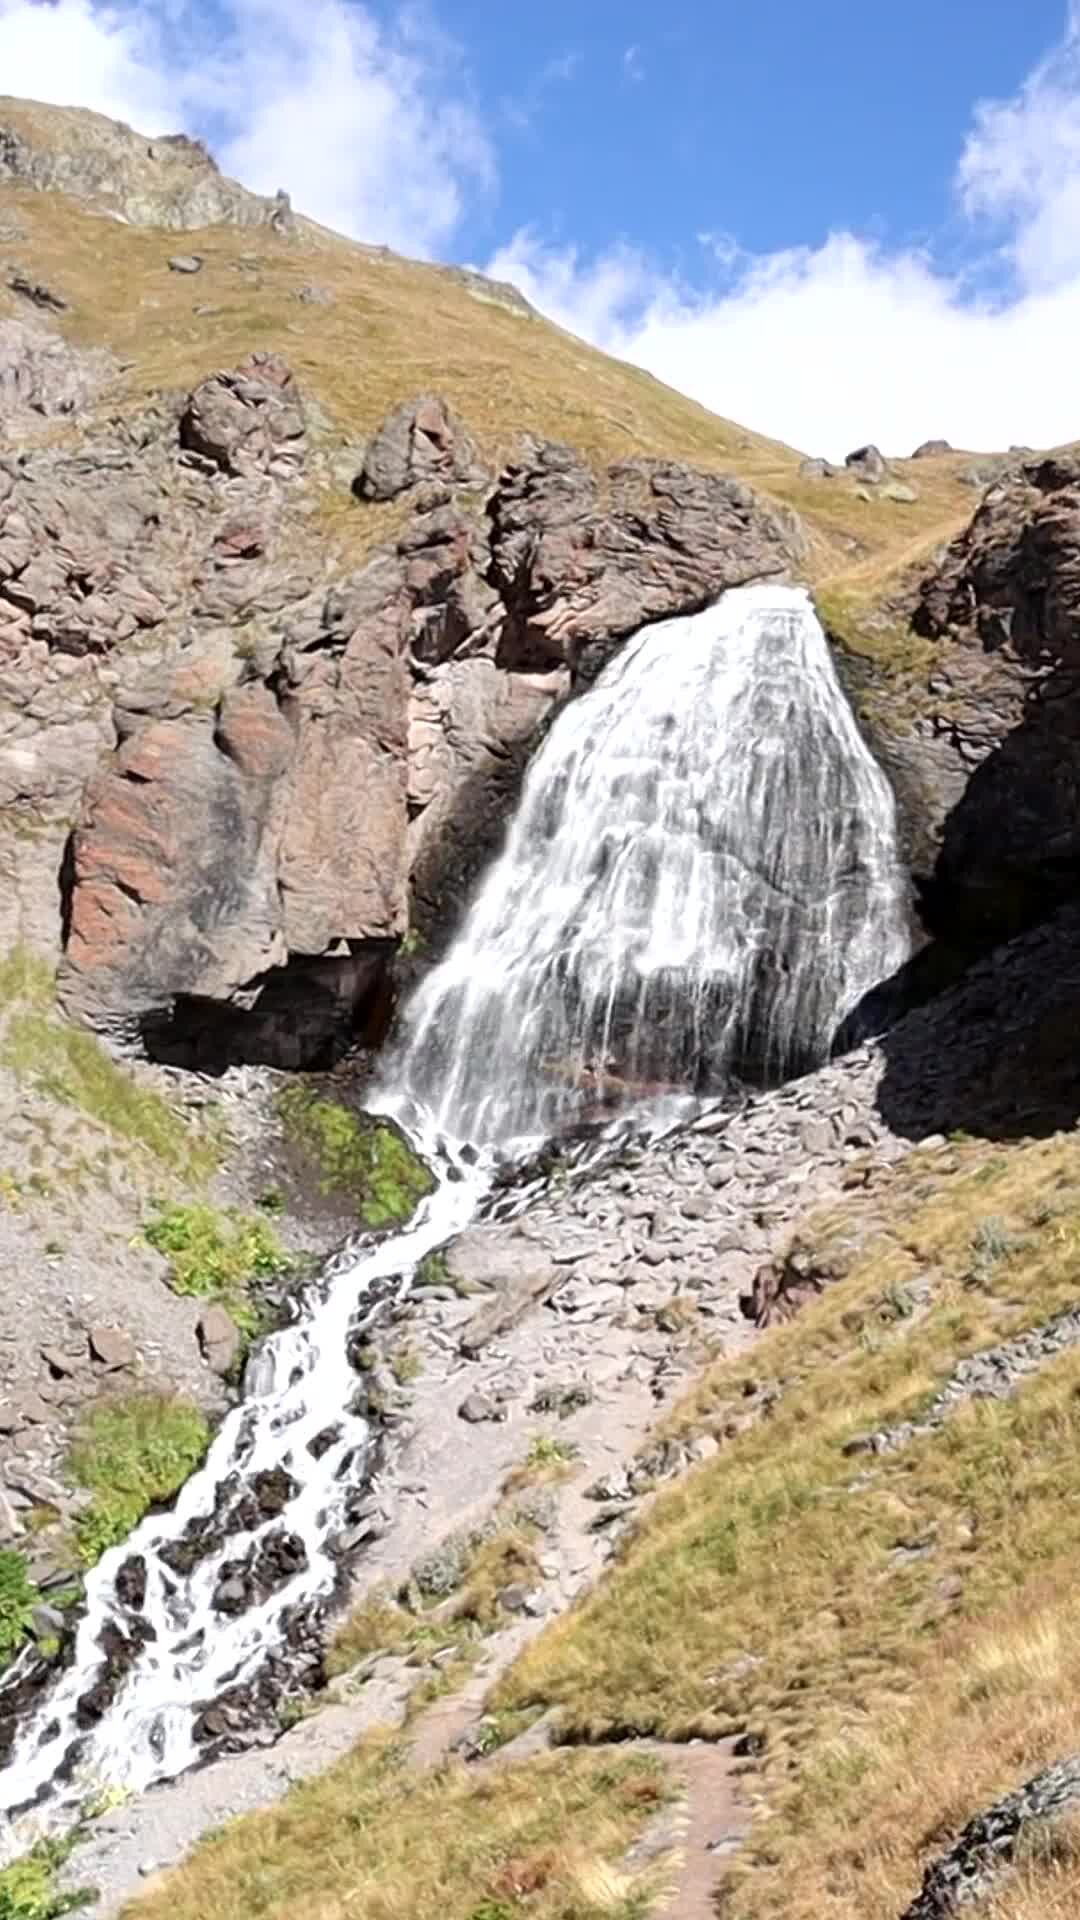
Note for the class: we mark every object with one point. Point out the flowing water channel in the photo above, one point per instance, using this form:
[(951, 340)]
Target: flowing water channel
[(701, 879)]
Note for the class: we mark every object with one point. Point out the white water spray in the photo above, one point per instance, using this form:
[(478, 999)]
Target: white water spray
[(701, 876)]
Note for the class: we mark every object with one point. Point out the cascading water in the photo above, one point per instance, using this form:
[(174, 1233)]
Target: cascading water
[(702, 878)]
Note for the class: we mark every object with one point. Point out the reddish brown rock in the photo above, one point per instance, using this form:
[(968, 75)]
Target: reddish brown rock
[(248, 420)]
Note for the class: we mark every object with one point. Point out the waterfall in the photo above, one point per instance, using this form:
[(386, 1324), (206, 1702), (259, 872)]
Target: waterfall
[(701, 881)]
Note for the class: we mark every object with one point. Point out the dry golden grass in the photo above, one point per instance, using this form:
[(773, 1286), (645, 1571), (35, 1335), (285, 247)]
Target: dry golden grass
[(371, 1841), (902, 1628), (397, 326)]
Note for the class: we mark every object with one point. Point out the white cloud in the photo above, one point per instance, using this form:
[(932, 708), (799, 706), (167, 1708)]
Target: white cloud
[(828, 347), (74, 53), (1021, 165), (633, 65), (367, 128), (832, 345)]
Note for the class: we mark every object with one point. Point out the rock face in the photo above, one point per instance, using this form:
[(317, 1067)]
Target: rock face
[(275, 769), (1005, 603), (168, 182), (40, 373), (577, 574)]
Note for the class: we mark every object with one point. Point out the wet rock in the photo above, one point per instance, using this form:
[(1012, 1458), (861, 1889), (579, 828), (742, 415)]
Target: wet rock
[(47, 1623), (131, 1583)]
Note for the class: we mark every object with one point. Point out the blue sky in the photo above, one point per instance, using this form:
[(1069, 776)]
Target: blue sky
[(832, 221), (774, 121)]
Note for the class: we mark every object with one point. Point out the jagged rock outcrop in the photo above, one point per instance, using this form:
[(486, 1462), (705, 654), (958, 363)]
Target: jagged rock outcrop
[(42, 374), (989, 1845), (169, 181), (274, 767), (1005, 603), (420, 441), (582, 561)]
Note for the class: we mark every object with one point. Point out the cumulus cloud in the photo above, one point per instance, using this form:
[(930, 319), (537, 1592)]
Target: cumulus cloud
[(827, 347), (367, 127), (831, 345), (1021, 166)]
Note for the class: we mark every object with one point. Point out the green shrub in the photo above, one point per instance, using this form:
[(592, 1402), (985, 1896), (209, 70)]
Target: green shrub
[(18, 1598), (215, 1256), (28, 1889), (366, 1159), (131, 1454)]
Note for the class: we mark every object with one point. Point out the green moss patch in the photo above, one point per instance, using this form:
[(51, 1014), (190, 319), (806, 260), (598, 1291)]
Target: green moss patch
[(215, 1255), (132, 1454), (365, 1160)]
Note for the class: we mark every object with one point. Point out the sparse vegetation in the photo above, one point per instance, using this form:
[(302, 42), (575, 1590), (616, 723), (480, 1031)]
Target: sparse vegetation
[(543, 1839), (28, 1887), (131, 1453), (216, 1255), (365, 1160), (901, 1632), (18, 1598), (433, 1271), (71, 1067)]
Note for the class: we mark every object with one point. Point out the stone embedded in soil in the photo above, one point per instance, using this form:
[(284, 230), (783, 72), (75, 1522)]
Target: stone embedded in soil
[(478, 1407), (112, 1347)]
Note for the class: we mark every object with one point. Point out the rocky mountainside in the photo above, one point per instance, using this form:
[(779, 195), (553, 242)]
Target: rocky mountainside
[(300, 543), (301, 547)]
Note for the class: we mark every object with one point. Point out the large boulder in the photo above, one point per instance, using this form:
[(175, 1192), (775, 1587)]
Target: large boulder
[(582, 561)]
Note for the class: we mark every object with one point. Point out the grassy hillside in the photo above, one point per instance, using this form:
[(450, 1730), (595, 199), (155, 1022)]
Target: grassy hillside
[(393, 327), (900, 1630)]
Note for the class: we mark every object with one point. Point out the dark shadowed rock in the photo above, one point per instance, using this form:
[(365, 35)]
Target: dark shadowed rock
[(867, 463), (1005, 604)]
